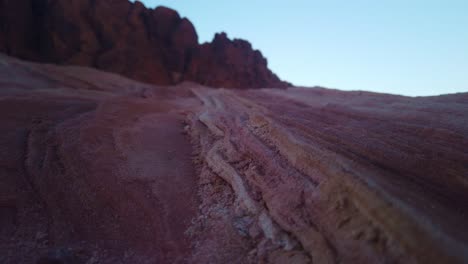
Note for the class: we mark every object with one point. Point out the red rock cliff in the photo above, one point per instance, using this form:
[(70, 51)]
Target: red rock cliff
[(151, 45)]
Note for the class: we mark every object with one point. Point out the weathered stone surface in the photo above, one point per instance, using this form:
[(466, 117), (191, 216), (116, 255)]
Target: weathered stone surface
[(151, 45), (341, 177), (98, 168), (89, 163)]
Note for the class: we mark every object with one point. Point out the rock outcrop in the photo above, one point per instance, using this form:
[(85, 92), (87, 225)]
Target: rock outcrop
[(323, 176), (97, 168), (150, 45), (230, 63)]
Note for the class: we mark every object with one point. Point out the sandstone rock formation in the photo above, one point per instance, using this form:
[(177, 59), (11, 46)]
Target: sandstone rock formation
[(96, 168), (155, 46), (227, 63)]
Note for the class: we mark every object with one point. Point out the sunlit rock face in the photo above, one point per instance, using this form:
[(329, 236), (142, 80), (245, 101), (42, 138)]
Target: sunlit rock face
[(151, 45), (97, 168)]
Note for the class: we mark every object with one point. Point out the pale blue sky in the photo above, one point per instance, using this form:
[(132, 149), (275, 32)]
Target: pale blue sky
[(410, 47)]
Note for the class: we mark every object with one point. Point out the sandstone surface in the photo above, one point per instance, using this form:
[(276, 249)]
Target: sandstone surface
[(97, 168)]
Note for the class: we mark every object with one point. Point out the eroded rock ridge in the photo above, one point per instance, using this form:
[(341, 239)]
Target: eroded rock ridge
[(151, 45)]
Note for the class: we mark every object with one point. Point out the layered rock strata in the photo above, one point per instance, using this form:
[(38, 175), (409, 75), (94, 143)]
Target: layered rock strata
[(97, 168)]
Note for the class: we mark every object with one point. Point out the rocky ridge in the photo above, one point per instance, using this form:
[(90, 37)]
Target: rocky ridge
[(156, 46)]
